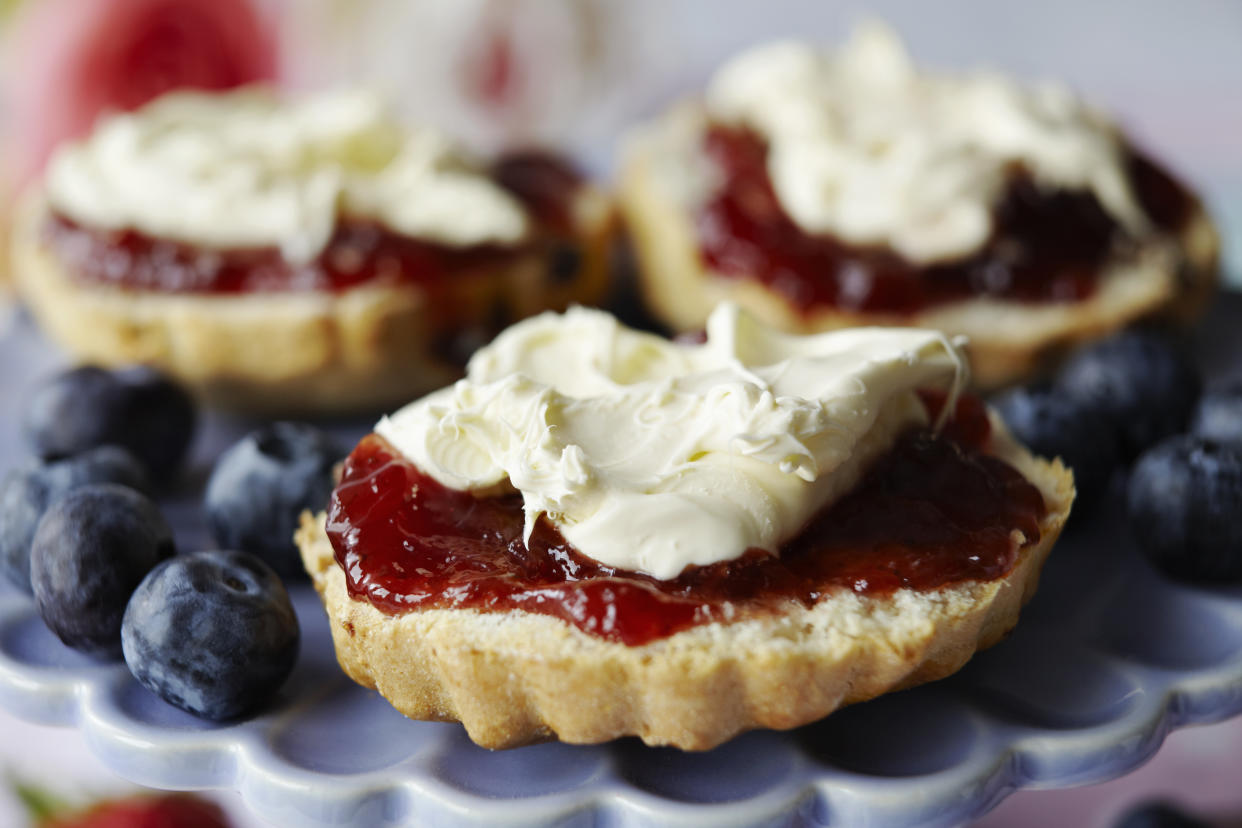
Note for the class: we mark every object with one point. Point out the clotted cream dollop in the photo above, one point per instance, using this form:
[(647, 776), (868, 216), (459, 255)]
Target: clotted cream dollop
[(652, 455), (866, 146), (249, 169)]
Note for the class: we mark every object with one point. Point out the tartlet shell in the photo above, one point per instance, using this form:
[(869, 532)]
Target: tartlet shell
[(514, 677)]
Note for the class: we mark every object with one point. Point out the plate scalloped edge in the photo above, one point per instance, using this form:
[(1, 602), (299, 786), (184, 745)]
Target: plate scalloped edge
[(1004, 757)]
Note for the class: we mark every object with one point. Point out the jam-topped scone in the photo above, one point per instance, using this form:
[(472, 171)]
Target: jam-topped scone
[(599, 532), (312, 254), (833, 189)]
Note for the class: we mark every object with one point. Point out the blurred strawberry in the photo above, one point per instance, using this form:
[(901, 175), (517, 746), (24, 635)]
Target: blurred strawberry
[(170, 811), (150, 810), (166, 811), (71, 60)]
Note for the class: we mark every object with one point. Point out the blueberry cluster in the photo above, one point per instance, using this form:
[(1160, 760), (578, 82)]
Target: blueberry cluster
[(1136, 401), (212, 632)]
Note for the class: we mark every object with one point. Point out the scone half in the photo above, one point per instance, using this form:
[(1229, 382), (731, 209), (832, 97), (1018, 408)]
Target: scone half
[(315, 254), (1171, 278), (360, 349), (515, 677), (828, 188)]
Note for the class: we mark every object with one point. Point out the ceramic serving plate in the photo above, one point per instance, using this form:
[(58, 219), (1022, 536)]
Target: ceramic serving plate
[(1107, 659)]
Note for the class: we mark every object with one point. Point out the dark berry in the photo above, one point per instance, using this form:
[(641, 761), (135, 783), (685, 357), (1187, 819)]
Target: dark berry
[(212, 633), (1140, 380), (91, 549), (137, 408), (260, 486), (1158, 815), (148, 810), (1052, 424), (26, 493), (1184, 499), (1218, 416)]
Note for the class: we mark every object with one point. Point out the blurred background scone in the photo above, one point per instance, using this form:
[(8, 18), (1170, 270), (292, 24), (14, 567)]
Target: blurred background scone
[(831, 189), (313, 255)]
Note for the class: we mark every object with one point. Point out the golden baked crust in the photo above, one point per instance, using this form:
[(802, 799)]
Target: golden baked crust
[(1009, 341), (514, 677), (315, 352)]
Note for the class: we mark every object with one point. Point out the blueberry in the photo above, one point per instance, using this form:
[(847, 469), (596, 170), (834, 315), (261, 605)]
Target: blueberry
[(1158, 815), (25, 494), (91, 549), (137, 408), (1140, 381), (262, 483), (212, 633), (1052, 424), (1218, 416), (1184, 499)]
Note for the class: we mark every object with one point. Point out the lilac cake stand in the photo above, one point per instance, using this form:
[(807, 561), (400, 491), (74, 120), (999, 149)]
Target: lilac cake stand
[(1108, 659)]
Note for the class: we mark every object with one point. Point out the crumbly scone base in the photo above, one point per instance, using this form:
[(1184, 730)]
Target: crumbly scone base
[(514, 677), (313, 352), (1009, 341)]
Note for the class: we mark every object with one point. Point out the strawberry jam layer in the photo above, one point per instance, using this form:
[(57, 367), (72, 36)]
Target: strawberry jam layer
[(359, 252), (1046, 246), (934, 511)]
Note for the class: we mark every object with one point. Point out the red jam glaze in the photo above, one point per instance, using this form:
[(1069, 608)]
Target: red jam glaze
[(1047, 246), (547, 184), (359, 252), (932, 512)]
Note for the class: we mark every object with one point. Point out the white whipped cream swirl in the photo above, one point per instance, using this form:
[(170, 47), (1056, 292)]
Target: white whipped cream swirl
[(864, 146), (650, 455), (246, 169)]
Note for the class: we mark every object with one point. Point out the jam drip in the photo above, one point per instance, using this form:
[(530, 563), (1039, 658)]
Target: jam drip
[(932, 512), (359, 252), (1046, 246)]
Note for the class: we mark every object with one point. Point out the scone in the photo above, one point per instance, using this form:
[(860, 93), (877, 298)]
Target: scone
[(600, 533), (314, 255), (832, 189)]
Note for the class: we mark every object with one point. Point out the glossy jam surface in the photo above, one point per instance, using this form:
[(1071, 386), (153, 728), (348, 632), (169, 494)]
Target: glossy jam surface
[(359, 252), (932, 512), (545, 183), (1047, 246)]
